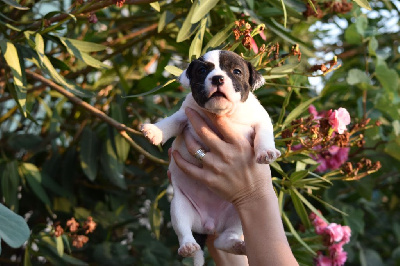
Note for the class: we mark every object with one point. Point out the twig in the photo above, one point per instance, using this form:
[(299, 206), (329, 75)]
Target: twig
[(122, 129)]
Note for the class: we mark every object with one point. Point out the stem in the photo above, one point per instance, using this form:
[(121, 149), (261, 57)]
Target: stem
[(122, 129)]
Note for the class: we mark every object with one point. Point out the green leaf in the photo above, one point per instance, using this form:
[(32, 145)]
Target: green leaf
[(363, 3), (308, 204), (86, 47), (155, 215), (388, 78), (166, 17), (357, 76), (296, 235), (112, 166), (361, 25), (13, 228), (15, 4), (156, 6), (298, 111), (300, 209), (219, 38), (351, 35), (372, 45), (59, 245), (250, 3), (14, 62), (187, 28), (9, 184), (174, 70), (27, 257), (34, 178), (152, 90), (85, 57), (296, 176), (89, 150), (202, 8), (195, 47)]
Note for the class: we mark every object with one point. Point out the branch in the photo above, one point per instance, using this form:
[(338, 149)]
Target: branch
[(122, 129)]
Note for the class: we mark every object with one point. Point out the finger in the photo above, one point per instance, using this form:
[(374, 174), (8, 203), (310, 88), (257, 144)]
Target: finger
[(206, 134), (193, 146), (191, 170)]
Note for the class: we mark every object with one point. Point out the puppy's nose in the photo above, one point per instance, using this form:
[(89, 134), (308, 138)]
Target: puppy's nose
[(217, 80)]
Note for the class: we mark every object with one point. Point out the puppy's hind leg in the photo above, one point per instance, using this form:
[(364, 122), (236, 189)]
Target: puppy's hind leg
[(182, 217), (230, 240)]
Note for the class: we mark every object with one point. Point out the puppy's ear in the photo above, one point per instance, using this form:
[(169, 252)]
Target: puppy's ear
[(256, 80), (185, 77)]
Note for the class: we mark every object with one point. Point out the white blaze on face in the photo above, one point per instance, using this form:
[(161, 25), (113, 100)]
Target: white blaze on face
[(227, 88)]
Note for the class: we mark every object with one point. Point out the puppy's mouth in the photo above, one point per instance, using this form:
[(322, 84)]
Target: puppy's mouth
[(218, 94)]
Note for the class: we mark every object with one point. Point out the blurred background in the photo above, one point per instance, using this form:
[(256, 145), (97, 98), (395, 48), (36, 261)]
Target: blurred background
[(78, 77)]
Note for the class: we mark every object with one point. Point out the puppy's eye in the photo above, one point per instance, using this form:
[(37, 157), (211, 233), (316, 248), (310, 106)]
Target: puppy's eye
[(237, 71), (202, 70)]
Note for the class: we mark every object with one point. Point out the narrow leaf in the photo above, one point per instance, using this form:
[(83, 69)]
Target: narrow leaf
[(166, 17), (150, 91), (296, 235), (89, 150), (363, 3), (195, 47), (34, 178), (300, 209), (86, 47), (60, 246), (219, 38), (9, 184), (202, 8), (308, 204), (297, 111), (156, 6), (13, 60), (187, 28), (174, 70)]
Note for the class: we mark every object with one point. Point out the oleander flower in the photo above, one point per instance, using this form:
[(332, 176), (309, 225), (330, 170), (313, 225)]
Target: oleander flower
[(331, 159), (335, 231), (322, 260), (339, 119)]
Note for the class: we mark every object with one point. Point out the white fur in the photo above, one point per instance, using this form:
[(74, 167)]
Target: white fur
[(194, 207)]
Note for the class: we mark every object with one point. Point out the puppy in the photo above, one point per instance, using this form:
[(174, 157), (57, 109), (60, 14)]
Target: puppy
[(221, 83)]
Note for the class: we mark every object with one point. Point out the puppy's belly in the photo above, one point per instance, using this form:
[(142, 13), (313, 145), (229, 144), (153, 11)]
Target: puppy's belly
[(212, 210)]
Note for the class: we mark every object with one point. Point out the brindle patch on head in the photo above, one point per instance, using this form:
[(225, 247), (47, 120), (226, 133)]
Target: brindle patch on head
[(197, 72)]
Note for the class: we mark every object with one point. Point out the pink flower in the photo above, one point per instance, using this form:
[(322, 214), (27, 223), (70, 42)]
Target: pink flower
[(322, 260), (262, 35), (339, 119), (312, 110), (335, 231), (254, 45), (346, 234), (318, 224), (331, 159), (336, 248), (339, 258)]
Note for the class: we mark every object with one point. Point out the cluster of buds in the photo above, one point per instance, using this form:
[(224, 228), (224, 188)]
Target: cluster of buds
[(334, 236), (78, 239), (244, 29), (355, 171), (93, 18), (334, 7), (325, 67)]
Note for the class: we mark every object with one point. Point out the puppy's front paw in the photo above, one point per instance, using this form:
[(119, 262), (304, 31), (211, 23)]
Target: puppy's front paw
[(268, 155), (152, 133), (188, 249)]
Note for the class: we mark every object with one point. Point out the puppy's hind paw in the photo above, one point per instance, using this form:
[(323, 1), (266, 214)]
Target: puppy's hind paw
[(268, 156), (188, 249), (152, 133)]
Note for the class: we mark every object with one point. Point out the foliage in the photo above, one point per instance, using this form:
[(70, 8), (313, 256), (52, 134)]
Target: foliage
[(70, 148)]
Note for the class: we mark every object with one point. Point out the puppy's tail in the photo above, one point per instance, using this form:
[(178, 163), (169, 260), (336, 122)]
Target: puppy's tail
[(198, 258)]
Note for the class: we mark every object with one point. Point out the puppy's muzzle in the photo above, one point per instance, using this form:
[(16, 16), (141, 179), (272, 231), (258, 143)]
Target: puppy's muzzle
[(217, 80)]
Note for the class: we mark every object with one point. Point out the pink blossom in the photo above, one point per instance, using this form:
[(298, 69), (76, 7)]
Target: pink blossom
[(254, 45), (346, 234), (335, 231), (339, 119), (322, 260), (262, 35), (318, 223), (339, 259), (331, 159), (312, 110), (336, 248)]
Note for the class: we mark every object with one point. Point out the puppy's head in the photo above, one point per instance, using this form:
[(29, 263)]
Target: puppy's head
[(220, 80)]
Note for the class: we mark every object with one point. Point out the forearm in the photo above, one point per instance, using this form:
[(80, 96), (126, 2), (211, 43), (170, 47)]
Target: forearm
[(265, 238)]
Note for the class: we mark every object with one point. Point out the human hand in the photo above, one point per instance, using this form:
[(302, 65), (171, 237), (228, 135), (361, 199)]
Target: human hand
[(229, 167)]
